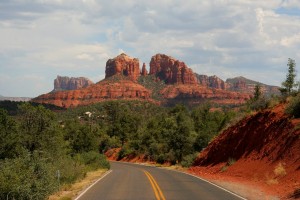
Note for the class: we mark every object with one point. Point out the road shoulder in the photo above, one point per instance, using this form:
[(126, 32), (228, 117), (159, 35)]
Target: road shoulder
[(69, 192)]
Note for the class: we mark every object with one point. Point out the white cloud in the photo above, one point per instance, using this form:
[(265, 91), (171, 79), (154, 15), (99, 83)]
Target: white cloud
[(84, 56), (75, 38)]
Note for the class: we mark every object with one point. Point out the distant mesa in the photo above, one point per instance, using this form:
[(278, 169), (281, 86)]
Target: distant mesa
[(169, 81), (242, 84), (70, 83), (3, 98)]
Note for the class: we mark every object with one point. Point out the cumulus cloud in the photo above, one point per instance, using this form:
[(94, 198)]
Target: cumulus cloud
[(252, 38)]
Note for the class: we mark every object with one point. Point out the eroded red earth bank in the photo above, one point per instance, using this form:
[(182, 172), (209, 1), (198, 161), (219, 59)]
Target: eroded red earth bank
[(262, 150)]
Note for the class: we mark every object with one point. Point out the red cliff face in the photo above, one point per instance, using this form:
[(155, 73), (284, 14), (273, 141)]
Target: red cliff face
[(70, 83), (123, 65), (212, 82), (170, 70)]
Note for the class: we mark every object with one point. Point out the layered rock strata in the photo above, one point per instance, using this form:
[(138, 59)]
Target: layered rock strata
[(170, 70), (123, 65)]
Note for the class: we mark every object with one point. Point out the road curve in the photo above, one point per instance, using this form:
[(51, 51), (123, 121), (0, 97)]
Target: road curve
[(138, 182)]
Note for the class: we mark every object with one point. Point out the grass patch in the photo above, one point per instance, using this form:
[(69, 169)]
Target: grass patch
[(230, 162), (272, 181), (224, 168), (279, 170), (68, 192)]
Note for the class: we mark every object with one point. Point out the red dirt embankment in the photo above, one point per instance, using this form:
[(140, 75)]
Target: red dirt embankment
[(261, 151)]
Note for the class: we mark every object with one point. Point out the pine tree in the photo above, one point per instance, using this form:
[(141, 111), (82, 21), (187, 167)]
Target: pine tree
[(289, 83)]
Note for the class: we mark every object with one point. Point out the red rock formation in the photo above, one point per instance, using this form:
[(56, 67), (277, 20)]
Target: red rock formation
[(101, 91), (144, 70), (70, 83), (170, 70), (124, 65)]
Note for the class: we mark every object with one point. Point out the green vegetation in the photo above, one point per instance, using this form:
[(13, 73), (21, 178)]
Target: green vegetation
[(151, 82), (141, 128), (38, 154), (293, 107)]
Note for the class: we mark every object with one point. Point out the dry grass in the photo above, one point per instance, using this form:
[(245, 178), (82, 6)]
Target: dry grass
[(272, 181), (68, 192), (279, 170)]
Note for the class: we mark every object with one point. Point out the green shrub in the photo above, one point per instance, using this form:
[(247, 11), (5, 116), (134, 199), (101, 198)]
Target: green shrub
[(93, 160), (124, 152), (161, 158), (259, 104), (27, 178), (293, 108), (188, 160)]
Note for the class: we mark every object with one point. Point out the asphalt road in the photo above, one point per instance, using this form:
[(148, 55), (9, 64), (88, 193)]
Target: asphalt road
[(138, 182)]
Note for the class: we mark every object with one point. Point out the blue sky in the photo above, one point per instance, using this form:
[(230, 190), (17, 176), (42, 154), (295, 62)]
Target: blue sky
[(40, 39)]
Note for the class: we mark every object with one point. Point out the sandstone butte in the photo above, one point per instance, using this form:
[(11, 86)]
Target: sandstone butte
[(123, 65), (170, 70), (121, 82), (71, 83)]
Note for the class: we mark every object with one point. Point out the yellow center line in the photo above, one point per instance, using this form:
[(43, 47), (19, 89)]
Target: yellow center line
[(158, 193)]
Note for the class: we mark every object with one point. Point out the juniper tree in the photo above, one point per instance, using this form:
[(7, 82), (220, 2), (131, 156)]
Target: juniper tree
[(257, 92)]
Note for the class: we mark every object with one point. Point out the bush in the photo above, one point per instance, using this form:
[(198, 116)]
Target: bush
[(259, 104), (293, 108), (36, 180), (93, 160), (188, 160), (124, 152)]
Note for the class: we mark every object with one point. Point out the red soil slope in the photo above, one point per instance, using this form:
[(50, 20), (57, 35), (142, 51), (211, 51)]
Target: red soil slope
[(261, 150)]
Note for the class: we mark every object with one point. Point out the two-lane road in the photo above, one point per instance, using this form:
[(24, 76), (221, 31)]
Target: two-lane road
[(131, 181)]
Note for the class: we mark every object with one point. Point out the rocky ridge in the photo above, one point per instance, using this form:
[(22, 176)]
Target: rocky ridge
[(169, 81), (242, 84), (237, 84)]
